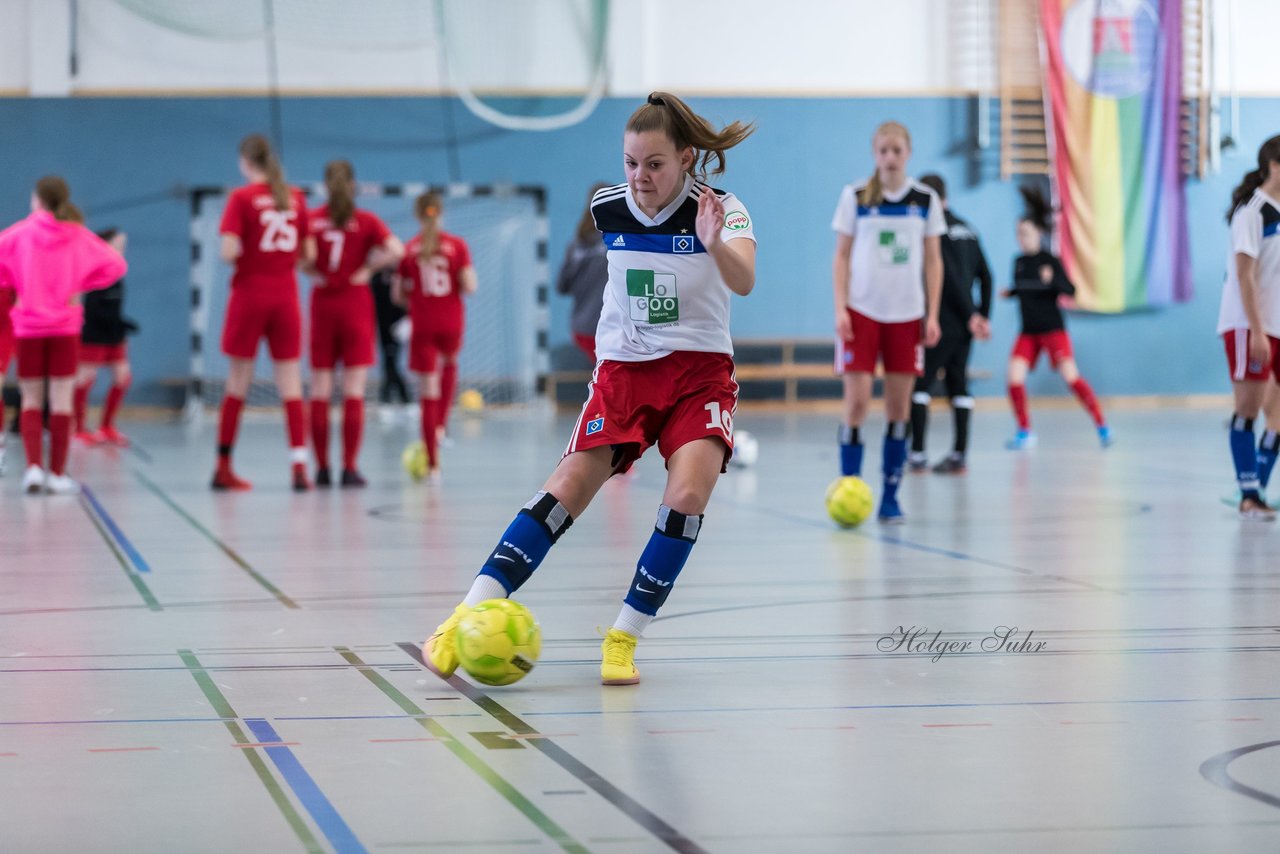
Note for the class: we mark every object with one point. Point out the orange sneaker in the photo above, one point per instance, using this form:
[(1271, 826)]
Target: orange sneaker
[(110, 436), (225, 480)]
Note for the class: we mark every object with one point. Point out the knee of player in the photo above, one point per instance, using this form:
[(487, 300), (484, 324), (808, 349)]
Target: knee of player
[(686, 499)]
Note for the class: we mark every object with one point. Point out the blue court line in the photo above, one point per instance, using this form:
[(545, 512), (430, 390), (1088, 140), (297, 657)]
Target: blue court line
[(116, 533), (305, 788)]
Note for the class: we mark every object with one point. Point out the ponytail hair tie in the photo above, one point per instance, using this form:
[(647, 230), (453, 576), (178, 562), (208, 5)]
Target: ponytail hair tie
[(656, 100)]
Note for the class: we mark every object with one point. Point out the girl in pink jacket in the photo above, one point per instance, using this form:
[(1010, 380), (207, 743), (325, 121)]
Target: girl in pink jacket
[(48, 261)]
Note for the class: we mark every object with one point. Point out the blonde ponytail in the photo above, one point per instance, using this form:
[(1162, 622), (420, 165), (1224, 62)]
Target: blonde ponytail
[(428, 207), (255, 149)]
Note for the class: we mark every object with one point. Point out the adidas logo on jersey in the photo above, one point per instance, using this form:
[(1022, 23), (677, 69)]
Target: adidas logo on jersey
[(618, 241)]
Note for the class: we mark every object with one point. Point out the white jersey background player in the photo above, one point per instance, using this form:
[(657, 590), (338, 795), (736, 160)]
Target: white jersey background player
[(676, 249)]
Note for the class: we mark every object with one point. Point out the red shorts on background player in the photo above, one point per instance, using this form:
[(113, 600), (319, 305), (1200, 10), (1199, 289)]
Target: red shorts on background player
[(102, 345)]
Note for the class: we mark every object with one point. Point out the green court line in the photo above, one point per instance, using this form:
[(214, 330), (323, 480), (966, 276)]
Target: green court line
[(209, 535), (513, 796), (141, 586), (224, 710)]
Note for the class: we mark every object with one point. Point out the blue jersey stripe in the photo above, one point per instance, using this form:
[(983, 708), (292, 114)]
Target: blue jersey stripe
[(665, 244), (893, 210), (1269, 229)]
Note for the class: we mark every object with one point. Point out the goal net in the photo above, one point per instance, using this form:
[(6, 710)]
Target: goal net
[(504, 351)]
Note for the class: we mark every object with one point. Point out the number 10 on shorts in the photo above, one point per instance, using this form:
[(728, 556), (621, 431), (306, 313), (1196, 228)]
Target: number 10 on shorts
[(652, 297)]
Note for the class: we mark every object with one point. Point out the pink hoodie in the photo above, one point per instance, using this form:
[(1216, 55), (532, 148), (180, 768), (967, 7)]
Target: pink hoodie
[(49, 263)]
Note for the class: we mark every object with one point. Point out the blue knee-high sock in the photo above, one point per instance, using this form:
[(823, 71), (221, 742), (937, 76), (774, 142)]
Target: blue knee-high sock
[(893, 458), (1244, 455), (526, 541), (1268, 450), (850, 451), (662, 559)]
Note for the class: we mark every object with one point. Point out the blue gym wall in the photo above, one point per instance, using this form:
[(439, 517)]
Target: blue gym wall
[(125, 158)]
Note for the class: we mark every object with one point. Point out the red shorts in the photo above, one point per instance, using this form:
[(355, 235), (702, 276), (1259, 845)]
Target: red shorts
[(254, 313), (669, 402), (426, 347), (103, 354), (1237, 343), (1057, 344), (895, 344), (53, 357), (6, 346), (343, 327)]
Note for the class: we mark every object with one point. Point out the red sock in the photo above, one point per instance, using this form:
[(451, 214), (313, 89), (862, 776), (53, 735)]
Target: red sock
[(430, 414), (1085, 393), (32, 436), (448, 385), (114, 397), (59, 441), (296, 423), (80, 402), (320, 431), (352, 428), (1018, 397), (228, 424)]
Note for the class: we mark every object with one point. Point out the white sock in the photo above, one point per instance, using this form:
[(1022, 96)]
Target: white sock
[(632, 621), (298, 455), (484, 587)]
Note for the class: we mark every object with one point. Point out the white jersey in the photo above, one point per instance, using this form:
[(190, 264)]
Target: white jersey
[(1254, 233), (665, 293), (886, 270)]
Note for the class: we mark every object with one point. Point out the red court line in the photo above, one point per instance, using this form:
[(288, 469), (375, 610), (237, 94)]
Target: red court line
[(8, 754), (936, 726), (119, 749), (395, 740), (676, 731), (269, 744), (1198, 720)]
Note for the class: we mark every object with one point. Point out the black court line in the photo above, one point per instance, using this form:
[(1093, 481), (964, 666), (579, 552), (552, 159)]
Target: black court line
[(630, 807), (1214, 769)]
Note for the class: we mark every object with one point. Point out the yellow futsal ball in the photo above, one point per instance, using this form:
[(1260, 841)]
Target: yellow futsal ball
[(471, 401), (414, 459), (849, 501), (498, 641)]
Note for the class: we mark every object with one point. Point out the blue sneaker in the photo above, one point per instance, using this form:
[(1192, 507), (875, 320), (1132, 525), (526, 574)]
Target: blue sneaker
[(1022, 440), (1105, 437), (890, 512)]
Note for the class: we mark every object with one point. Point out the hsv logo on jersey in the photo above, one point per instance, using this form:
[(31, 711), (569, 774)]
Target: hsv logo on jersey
[(595, 426)]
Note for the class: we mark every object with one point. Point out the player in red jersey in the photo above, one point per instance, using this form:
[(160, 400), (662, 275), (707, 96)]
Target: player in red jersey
[(265, 236), (434, 276), (351, 245)]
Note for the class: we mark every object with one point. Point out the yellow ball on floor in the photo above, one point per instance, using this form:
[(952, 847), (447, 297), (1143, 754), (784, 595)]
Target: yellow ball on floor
[(849, 501), (414, 459), (498, 641), (471, 401)]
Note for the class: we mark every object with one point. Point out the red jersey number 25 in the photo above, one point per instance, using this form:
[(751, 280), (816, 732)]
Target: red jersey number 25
[(279, 232)]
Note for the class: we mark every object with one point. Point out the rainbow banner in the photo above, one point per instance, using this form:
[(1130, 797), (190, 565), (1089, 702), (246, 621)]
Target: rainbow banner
[(1113, 72)]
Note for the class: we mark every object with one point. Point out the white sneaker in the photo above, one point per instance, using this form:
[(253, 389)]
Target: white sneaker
[(33, 480), (387, 414), (2, 465), (61, 484)]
